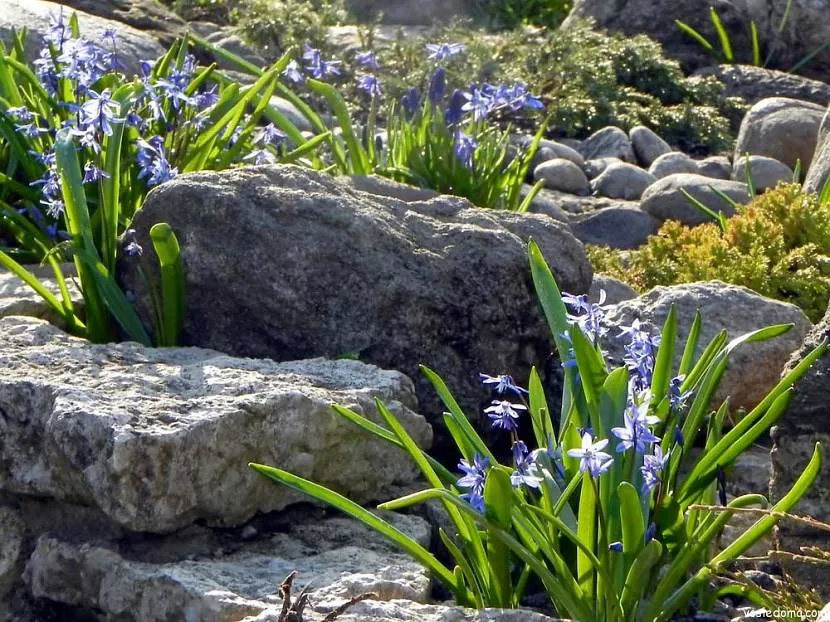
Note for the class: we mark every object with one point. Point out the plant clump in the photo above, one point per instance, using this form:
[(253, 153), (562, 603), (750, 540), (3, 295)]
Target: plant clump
[(777, 245)]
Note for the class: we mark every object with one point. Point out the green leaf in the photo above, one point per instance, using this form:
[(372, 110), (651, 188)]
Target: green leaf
[(691, 345), (756, 43), (498, 500), (167, 249), (358, 157), (723, 35), (665, 358), (638, 578), (400, 539), (632, 520), (703, 41), (539, 413)]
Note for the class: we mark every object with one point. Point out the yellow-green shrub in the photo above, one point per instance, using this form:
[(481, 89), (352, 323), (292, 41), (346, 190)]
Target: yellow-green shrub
[(777, 245)]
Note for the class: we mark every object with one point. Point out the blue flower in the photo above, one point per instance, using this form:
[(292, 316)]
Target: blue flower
[(636, 434), (592, 459), (443, 51), (261, 156), (367, 59), (270, 135), (525, 473), (131, 247), (465, 146), (92, 173), (455, 109), (292, 72), (54, 207), (410, 101), (99, 111), (175, 92), (650, 533), (653, 466), (316, 66), (58, 32), (588, 316), (615, 547), (437, 84), (478, 103), (503, 414), (21, 114), (473, 480), (678, 398), (31, 130), (503, 383), (370, 84), (206, 99), (640, 354), (152, 159)]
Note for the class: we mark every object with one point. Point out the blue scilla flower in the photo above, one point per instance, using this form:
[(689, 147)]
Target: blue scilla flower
[(58, 32), (502, 384), (21, 114), (525, 473), (678, 397), (640, 354), (292, 72), (76, 56), (475, 475), (478, 103), (465, 146), (367, 59), (616, 547), (261, 156), (370, 84), (504, 414), (152, 159), (587, 315), (100, 111), (54, 207), (92, 173), (206, 98), (31, 130), (270, 135), (316, 66), (519, 98), (131, 247), (174, 91), (636, 434), (443, 51), (455, 109), (50, 182), (592, 459), (437, 85), (653, 466)]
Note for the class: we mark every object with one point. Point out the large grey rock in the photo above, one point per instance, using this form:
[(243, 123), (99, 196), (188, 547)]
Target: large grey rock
[(550, 150), (804, 32), (405, 611), (211, 579), (780, 128), (159, 438), (594, 168), (609, 142), (717, 167), (624, 227), (133, 45), (17, 298), (407, 13), (756, 83), (672, 163), (287, 263), (754, 368), (146, 15), (11, 547), (819, 172), (622, 181), (572, 204), (648, 146), (562, 175), (765, 172), (665, 201), (615, 290), (806, 422)]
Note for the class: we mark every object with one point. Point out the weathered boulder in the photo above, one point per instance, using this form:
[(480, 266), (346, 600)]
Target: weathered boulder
[(405, 611), (615, 290), (609, 142), (594, 168), (648, 146), (673, 163), (287, 263), (562, 175), (194, 575), (665, 200), (819, 172), (12, 533), (781, 128), (17, 298), (159, 438), (150, 16), (623, 227), (765, 172), (622, 181), (133, 45), (753, 368), (756, 83), (572, 204), (408, 13), (717, 167)]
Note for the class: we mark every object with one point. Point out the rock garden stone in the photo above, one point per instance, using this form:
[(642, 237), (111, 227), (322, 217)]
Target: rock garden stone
[(403, 611), (624, 227), (154, 438), (806, 422), (12, 534), (716, 167), (622, 181), (648, 146), (731, 307), (563, 175), (615, 291), (672, 163), (17, 298), (781, 128), (561, 205), (609, 142), (150, 16), (594, 168), (766, 172), (407, 13), (133, 44), (819, 171), (665, 201), (338, 271), (216, 578), (756, 83), (550, 149)]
